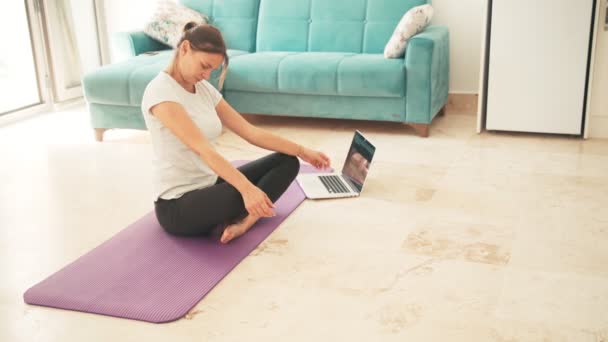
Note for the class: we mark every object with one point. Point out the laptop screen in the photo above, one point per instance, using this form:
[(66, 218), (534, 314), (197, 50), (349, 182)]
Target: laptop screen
[(358, 160)]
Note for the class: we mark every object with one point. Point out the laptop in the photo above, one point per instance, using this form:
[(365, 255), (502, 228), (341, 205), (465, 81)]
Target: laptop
[(349, 183)]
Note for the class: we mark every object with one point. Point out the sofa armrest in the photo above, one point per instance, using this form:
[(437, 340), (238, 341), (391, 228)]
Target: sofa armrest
[(427, 64), (129, 44)]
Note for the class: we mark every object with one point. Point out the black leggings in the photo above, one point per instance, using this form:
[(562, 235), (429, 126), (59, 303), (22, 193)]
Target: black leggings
[(197, 212)]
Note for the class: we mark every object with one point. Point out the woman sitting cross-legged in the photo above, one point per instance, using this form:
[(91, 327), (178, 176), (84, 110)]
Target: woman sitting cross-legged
[(197, 189)]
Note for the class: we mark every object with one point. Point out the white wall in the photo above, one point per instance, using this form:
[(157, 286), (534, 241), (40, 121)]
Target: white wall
[(124, 16), (462, 17), (127, 15)]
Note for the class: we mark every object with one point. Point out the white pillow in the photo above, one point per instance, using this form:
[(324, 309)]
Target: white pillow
[(412, 22), (167, 23)]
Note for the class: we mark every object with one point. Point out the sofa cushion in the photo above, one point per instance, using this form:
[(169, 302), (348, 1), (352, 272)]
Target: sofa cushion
[(124, 83), (255, 72), (331, 26), (372, 75), (237, 19), (317, 73)]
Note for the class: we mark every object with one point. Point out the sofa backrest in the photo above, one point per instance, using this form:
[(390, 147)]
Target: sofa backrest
[(237, 19), (360, 26)]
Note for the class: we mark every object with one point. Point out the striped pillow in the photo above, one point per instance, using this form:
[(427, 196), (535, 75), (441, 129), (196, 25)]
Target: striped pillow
[(167, 23), (412, 22)]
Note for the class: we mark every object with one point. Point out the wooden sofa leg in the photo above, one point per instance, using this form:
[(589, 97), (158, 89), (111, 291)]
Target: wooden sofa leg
[(99, 133), (421, 129), (441, 111)]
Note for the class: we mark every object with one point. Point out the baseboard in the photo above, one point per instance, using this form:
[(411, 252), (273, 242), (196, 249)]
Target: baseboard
[(69, 104), (39, 109), (598, 127), (461, 104), (24, 114)]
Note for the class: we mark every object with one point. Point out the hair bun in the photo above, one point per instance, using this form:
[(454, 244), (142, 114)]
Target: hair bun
[(189, 25)]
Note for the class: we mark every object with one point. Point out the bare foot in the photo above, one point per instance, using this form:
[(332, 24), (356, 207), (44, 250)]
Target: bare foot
[(237, 229)]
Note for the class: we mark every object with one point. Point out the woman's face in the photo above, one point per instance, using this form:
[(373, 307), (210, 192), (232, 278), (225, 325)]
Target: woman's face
[(198, 65)]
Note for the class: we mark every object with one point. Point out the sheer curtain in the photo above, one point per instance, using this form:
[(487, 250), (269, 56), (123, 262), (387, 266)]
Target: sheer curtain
[(70, 57), (73, 44)]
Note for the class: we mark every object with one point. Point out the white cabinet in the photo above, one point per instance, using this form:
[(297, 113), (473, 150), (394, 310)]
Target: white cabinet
[(537, 63)]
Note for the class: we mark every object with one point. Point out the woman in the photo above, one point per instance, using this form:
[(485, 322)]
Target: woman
[(196, 188)]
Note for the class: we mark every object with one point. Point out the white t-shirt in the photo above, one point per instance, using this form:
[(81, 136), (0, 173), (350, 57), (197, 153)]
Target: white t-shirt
[(177, 168)]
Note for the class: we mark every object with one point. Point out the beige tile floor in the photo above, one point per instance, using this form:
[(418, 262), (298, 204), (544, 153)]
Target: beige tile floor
[(458, 237)]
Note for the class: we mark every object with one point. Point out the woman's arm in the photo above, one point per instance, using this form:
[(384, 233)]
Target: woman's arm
[(255, 135), (264, 139), (173, 116)]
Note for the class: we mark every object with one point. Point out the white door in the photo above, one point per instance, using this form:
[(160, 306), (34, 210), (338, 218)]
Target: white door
[(537, 65), (597, 114)]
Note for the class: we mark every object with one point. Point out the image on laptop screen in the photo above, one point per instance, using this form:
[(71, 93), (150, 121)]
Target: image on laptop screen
[(358, 159)]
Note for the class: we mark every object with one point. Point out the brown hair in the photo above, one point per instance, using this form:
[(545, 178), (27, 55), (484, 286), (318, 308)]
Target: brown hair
[(205, 38)]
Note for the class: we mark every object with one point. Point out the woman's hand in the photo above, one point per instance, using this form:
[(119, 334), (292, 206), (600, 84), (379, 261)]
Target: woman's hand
[(314, 158), (257, 202)]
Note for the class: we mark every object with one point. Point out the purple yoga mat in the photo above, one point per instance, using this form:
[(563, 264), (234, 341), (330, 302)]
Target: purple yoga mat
[(143, 273)]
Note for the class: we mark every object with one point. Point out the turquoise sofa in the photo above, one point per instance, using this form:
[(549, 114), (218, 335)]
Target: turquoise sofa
[(315, 58)]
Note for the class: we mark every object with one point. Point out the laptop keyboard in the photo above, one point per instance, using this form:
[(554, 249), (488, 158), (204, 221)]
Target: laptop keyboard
[(334, 184)]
